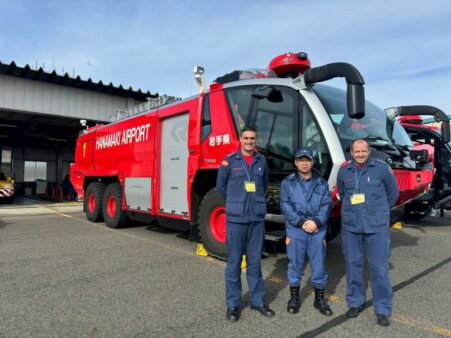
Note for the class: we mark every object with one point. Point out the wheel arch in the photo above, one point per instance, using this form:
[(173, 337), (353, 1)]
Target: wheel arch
[(203, 182), (104, 179)]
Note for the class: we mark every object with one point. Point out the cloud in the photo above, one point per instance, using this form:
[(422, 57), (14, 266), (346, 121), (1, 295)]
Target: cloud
[(154, 45)]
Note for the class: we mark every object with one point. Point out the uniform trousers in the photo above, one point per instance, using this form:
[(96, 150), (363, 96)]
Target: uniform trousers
[(376, 246), (244, 239), (313, 246)]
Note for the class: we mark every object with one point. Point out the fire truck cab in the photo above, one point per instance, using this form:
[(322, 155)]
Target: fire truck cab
[(162, 164)]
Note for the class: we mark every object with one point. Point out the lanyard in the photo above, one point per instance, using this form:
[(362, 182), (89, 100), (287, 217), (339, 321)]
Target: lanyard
[(357, 178), (246, 168)]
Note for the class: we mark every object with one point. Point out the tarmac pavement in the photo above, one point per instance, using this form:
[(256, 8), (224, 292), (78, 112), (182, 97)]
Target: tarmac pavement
[(63, 276)]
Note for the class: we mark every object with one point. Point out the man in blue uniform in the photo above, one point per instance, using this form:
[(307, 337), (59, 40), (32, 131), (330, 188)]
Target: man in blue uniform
[(306, 204), (367, 189), (242, 181)]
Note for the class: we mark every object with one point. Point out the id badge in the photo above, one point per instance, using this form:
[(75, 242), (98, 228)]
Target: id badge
[(358, 199), (249, 186)]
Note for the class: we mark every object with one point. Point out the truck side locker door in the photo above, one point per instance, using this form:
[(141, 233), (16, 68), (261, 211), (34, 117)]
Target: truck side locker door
[(174, 165)]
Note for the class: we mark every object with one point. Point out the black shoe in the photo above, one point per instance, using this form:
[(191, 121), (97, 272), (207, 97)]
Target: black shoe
[(353, 312), (233, 314), (294, 303), (264, 310), (320, 303), (383, 320)]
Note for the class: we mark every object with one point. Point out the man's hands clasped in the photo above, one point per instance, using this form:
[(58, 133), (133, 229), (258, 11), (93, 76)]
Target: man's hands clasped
[(309, 226)]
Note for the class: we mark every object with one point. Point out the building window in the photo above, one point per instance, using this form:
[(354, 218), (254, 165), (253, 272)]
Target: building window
[(35, 170)]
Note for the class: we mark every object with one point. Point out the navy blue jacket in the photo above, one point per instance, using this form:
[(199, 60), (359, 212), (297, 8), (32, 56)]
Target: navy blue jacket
[(242, 206), (378, 183), (298, 207)]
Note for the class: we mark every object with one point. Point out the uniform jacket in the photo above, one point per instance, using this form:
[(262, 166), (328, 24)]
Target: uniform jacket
[(378, 184), (242, 206), (297, 206)]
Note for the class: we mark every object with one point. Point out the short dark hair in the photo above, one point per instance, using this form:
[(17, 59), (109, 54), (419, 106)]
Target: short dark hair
[(359, 140), (248, 128)]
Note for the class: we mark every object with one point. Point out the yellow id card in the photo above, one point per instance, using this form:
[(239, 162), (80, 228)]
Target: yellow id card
[(358, 199), (249, 186)]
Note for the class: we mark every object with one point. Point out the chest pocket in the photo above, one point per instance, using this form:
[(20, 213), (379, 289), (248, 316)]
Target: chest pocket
[(349, 185), (237, 173)]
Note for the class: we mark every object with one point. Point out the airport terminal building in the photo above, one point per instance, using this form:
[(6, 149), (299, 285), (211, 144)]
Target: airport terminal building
[(40, 115)]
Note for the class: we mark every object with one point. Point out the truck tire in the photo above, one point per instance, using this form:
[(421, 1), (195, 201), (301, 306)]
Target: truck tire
[(93, 201), (212, 224), (113, 214)]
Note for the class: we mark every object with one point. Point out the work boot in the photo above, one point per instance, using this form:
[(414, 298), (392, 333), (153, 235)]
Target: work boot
[(294, 303), (233, 314), (321, 304), (353, 312), (383, 320)]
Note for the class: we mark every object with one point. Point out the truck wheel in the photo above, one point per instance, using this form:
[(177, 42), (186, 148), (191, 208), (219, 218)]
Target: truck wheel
[(93, 201), (212, 224), (113, 214)]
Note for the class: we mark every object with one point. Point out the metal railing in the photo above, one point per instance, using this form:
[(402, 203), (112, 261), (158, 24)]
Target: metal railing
[(150, 104)]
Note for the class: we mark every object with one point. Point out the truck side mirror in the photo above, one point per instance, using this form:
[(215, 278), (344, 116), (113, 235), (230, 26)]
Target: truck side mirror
[(356, 101)]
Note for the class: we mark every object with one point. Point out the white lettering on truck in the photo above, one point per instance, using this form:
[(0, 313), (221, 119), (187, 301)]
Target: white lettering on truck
[(127, 136)]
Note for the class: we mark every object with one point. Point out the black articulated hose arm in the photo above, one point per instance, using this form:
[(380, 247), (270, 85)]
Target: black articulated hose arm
[(438, 114), (354, 80)]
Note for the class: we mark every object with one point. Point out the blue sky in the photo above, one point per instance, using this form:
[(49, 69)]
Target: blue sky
[(401, 47)]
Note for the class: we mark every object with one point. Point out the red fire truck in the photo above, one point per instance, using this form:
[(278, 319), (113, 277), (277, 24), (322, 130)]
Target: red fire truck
[(432, 134), (161, 164)]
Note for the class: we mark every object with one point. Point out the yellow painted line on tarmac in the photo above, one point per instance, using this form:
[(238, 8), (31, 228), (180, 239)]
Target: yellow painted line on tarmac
[(276, 280), (143, 239), (421, 324), (333, 298), (57, 212)]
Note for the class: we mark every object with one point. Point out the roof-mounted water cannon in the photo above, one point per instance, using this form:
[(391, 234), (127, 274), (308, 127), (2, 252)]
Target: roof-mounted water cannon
[(198, 72), (290, 64)]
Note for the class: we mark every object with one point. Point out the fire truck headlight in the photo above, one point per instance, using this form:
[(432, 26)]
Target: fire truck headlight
[(418, 178)]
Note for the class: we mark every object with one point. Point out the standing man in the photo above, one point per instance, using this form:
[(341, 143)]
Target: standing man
[(368, 190), (242, 181), (306, 204)]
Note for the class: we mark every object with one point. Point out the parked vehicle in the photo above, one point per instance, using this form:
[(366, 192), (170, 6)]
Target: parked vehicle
[(432, 134), (161, 164), (6, 188)]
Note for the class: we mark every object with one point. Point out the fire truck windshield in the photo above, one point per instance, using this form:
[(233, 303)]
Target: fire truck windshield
[(375, 126)]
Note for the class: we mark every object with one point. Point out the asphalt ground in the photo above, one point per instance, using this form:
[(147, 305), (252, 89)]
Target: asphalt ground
[(62, 276)]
